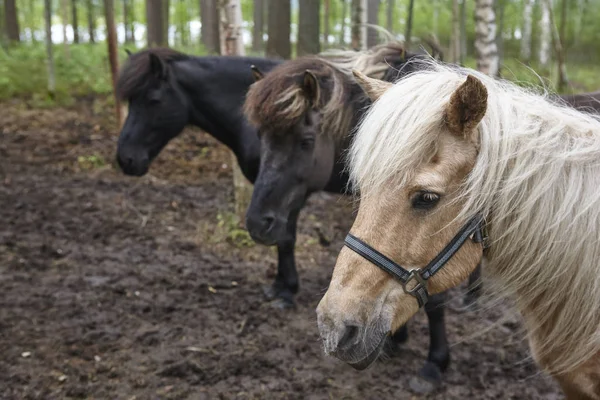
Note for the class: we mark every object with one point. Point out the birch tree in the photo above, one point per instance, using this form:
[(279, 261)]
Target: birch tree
[(525, 51), (545, 35), (485, 37), (359, 29), (230, 32)]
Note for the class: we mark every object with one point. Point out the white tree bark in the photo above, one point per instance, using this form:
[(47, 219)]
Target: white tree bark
[(364, 15), (485, 34), (230, 18), (545, 34), (526, 34)]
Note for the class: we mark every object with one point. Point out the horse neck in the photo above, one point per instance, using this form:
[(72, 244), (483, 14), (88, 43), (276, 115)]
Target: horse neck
[(216, 89), (340, 180)]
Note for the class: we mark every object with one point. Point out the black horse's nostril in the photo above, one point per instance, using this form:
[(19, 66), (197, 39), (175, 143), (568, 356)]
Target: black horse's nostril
[(267, 222), (349, 337)]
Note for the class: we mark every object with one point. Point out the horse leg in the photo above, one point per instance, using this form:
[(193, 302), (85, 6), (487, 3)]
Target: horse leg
[(474, 288), (438, 359), (286, 285)]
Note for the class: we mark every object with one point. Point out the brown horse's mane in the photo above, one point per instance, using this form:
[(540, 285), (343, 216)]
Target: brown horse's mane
[(277, 101), (136, 74)]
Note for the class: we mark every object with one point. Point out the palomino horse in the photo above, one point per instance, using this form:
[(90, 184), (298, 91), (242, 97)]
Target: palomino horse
[(443, 156), (306, 111)]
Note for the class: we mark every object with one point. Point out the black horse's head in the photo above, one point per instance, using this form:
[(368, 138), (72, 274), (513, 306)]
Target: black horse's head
[(157, 108), (299, 109)]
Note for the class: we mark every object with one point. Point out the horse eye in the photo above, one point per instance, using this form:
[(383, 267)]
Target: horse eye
[(153, 100), (425, 200)]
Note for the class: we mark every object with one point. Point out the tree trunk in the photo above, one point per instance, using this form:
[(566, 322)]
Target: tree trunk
[(49, 55), (372, 19), (165, 21), (126, 27), (326, 5), (91, 21), (391, 7), (111, 40), (233, 45), (499, 39), (308, 28), (64, 11), (485, 37), (132, 22), (209, 31), (409, 19), (545, 35), (455, 44), (343, 27), (11, 21), (258, 28), (154, 23), (359, 30), (75, 22), (527, 25), (279, 23), (463, 32), (558, 40)]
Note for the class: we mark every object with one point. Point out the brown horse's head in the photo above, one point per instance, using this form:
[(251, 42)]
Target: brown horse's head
[(410, 169)]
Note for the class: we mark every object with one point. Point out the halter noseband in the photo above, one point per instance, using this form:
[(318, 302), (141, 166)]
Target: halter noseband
[(474, 230)]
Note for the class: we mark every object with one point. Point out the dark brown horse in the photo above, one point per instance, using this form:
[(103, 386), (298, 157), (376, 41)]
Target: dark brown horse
[(306, 111)]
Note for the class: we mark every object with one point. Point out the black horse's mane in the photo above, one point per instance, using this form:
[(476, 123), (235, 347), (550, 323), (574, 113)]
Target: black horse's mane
[(136, 73)]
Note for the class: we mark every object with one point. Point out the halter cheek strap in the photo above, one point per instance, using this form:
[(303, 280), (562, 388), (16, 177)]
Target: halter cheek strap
[(474, 230)]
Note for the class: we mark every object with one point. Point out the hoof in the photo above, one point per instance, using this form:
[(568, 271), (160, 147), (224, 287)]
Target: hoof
[(279, 298), (428, 380), (282, 304), (270, 292)]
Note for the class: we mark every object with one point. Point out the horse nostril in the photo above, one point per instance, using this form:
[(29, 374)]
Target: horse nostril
[(349, 337), (268, 221)]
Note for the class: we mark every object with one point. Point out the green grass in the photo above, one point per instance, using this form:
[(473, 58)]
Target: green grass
[(23, 72), (83, 71)]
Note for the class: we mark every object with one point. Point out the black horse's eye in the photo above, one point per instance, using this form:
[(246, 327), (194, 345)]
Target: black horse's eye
[(425, 200), (153, 100), (307, 143)]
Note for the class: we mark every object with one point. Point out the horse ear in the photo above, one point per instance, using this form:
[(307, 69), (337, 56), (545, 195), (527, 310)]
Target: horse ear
[(256, 73), (374, 88), (467, 107), (311, 88), (128, 52), (158, 67)]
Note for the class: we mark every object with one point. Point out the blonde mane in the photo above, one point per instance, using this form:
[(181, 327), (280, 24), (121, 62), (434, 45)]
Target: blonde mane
[(537, 181), (278, 102)]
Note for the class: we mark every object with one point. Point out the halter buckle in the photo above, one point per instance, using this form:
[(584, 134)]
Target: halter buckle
[(419, 290)]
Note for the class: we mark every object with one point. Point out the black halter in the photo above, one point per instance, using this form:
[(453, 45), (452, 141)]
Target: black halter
[(474, 230)]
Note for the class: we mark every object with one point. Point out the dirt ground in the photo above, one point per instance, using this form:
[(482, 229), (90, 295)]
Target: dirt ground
[(139, 288)]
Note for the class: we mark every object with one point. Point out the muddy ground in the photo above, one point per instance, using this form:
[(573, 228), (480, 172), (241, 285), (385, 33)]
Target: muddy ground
[(122, 288)]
